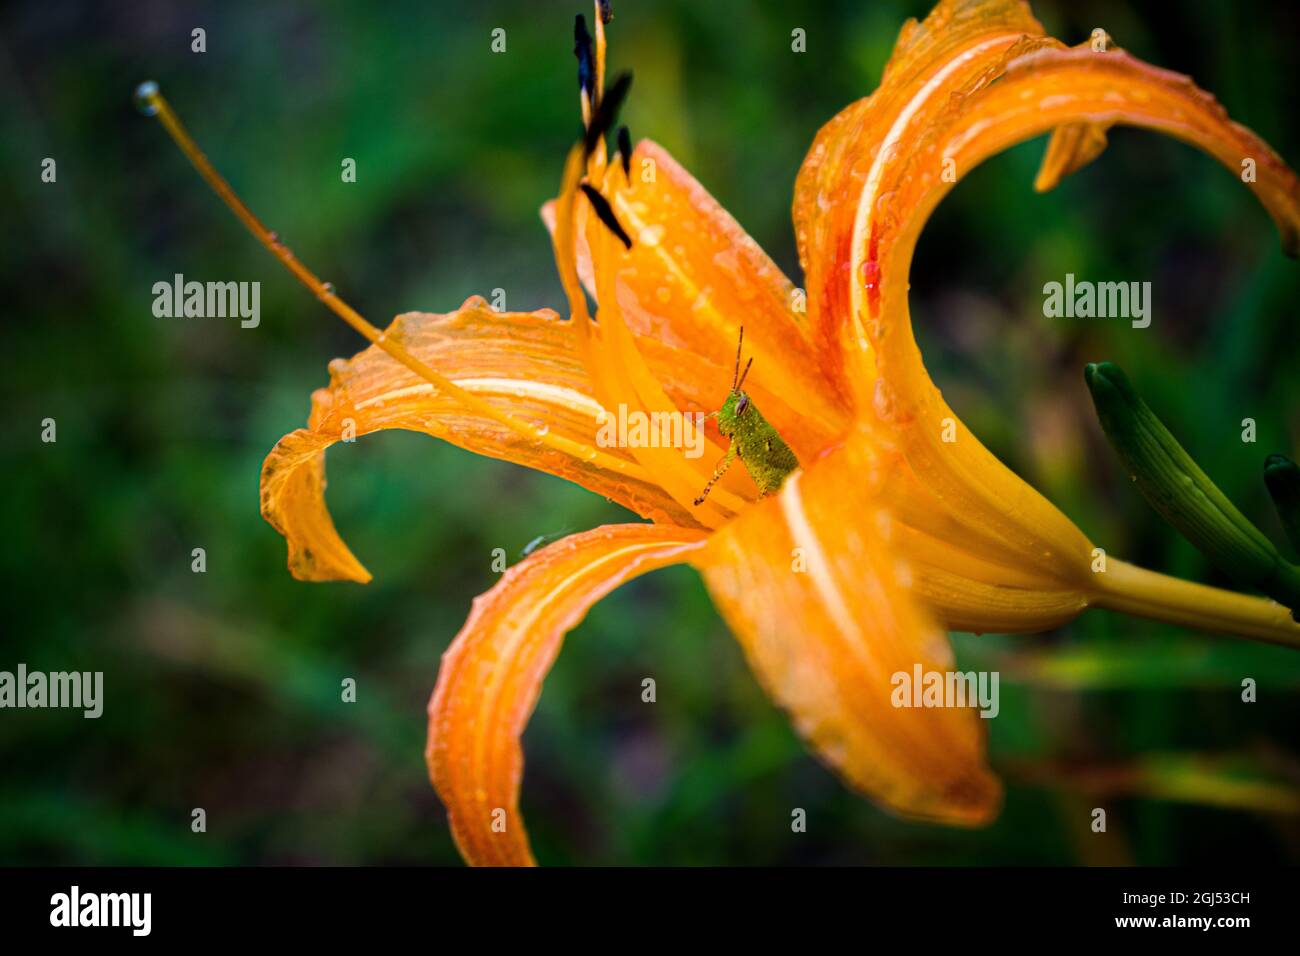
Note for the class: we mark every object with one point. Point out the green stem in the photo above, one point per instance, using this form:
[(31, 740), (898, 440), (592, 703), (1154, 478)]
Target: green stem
[(1133, 590)]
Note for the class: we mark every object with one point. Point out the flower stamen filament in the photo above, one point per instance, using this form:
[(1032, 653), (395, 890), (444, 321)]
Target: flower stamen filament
[(618, 373)]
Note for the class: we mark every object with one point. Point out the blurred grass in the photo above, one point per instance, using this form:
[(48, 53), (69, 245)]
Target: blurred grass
[(223, 688)]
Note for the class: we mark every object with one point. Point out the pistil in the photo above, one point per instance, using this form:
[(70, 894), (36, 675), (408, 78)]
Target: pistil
[(151, 102)]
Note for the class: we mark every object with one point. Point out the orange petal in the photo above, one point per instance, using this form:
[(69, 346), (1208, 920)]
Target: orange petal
[(522, 363), (891, 158), (1049, 87), (812, 587), (837, 188), (1038, 90), (692, 276), (971, 577), (1071, 147), (1040, 87), (975, 78), (492, 675)]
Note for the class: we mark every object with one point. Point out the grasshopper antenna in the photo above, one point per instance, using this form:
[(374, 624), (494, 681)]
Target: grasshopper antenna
[(745, 374), (735, 375)]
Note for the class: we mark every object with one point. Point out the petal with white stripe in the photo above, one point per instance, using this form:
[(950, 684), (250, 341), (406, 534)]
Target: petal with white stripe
[(811, 585), (524, 364)]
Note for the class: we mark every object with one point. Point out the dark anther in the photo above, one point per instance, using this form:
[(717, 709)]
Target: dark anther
[(625, 150), (606, 11), (607, 111), (601, 205), (582, 50)]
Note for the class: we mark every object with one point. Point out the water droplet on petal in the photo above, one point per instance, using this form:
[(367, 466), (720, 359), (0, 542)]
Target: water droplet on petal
[(883, 401), (875, 327), (870, 274), (886, 219), (651, 235), (327, 288)]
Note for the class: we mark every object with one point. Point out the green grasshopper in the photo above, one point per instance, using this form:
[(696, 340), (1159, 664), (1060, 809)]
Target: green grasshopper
[(767, 457)]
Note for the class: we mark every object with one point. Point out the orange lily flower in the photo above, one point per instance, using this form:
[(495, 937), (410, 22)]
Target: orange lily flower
[(898, 525)]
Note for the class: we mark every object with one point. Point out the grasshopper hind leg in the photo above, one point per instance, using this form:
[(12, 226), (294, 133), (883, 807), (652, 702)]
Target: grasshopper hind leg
[(723, 465)]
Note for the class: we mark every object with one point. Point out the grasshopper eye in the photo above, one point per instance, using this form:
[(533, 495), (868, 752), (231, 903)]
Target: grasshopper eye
[(742, 405)]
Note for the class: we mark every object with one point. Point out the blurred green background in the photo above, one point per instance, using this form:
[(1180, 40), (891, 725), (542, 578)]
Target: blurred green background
[(222, 689)]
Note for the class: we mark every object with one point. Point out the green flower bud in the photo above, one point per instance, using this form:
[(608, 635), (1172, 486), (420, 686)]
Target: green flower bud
[(1183, 494), (1282, 477)]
